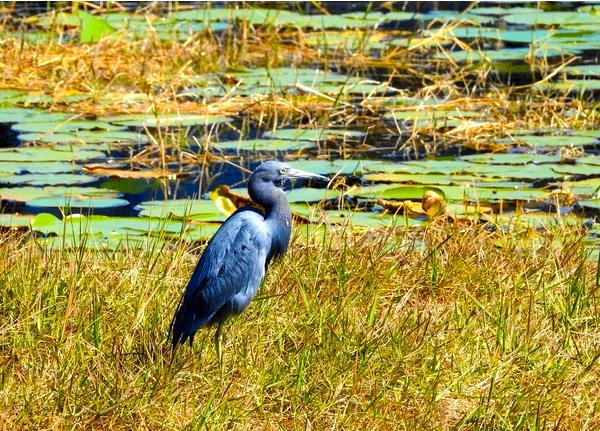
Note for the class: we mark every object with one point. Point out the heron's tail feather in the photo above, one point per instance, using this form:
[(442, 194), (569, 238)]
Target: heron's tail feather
[(185, 323)]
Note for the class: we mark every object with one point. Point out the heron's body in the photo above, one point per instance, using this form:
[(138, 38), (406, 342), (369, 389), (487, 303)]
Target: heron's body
[(235, 260)]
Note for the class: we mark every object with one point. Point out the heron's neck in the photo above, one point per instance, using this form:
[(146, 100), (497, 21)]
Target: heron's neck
[(277, 215), (279, 218)]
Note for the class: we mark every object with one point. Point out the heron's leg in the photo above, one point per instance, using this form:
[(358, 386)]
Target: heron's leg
[(218, 339)]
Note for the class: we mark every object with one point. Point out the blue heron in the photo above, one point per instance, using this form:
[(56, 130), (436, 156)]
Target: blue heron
[(235, 260)]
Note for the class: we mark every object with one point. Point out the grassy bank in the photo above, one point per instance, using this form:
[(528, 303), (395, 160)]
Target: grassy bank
[(460, 329)]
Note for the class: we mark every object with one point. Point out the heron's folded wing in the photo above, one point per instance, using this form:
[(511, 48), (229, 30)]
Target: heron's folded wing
[(232, 262)]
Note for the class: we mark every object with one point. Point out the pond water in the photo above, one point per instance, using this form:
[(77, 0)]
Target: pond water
[(491, 108)]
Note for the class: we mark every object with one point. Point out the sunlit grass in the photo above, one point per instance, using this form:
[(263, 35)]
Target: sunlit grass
[(463, 329)]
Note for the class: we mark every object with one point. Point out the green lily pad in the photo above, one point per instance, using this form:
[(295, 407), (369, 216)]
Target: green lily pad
[(28, 193), (583, 70), (572, 85), (13, 115), (394, 192), (114, 242), (505, 54), (578, 169), (482, 194), (345, 167), (77, 225), (265, 145), (513, 36), (312, 134), (500, 11), (308, 194), (37, 167), (47, 179), (344, 40), (368, 219), (457, 17), (592, 204), (78, 202), (548, 18), (197, 209), (553, 141), (451, 193), (40, 154), (588, 160), (590, 187), (197, 232), (166, 120), (7, 94), (423, 178), (87, 136), (432, 118), (93, 28), (402, 16), (511, 158), (15, 220), (63, 127)]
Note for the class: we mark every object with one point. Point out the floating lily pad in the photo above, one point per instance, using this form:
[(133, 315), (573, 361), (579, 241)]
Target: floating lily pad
[(76, 225), (583, 70), (402, 16), (423, 178), (47, 179), (511, 158), (482, 194), (394, 192), (77, 202), (432, 118), (573, 85), (548, 18), (28, 193), (578, 169), (590, 187), (592, 204), (346, 40), (368, 219), (457, 16), (13, 115), (15, 220), (345, 167), (500, 11), (87, 136), (308, 194), (166, 120), (197, 209), (505, 54), (114, 242), (554, 141), (44, 116), (312, 134), (265, 145), (588, 160), (513, 36), (37, 167), (63, 126), (40, 154)]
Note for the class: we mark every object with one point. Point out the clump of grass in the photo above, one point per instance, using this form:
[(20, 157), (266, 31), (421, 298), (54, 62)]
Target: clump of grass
[(448, 329)]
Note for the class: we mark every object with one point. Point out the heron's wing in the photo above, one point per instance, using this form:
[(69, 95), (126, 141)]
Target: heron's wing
[(230, 269)]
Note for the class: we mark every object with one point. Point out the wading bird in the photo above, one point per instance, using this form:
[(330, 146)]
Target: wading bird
[(235, 260)]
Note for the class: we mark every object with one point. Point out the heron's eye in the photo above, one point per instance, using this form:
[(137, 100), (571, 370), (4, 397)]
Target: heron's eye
[(283, 171)]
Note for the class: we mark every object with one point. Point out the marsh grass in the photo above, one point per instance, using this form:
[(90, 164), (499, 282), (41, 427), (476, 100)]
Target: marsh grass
[(449, 329)]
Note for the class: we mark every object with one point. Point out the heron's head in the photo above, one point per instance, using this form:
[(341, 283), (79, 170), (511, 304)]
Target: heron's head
[(277, 172)]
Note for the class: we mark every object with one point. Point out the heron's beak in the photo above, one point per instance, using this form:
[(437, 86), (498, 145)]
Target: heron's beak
[(297, 173)]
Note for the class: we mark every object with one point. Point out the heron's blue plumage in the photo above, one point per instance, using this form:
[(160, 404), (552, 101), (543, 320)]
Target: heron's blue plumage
[(227, 275), (234, 262)]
